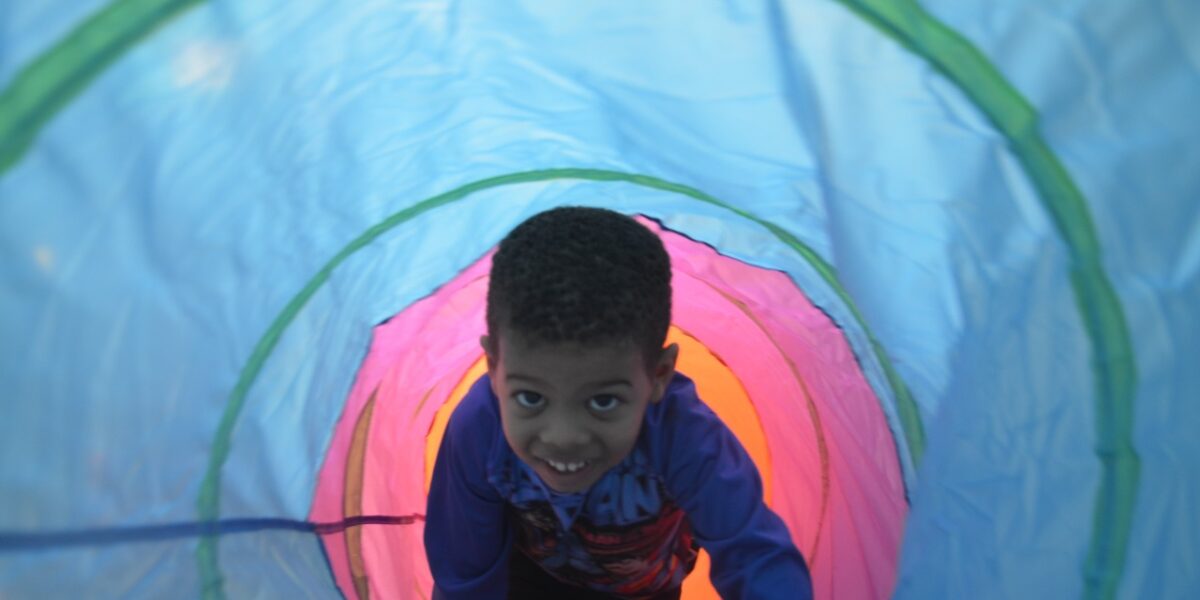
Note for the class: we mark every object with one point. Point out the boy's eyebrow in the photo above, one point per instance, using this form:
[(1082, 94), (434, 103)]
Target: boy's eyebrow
[(609, 382), (528, 378), (598, 384)]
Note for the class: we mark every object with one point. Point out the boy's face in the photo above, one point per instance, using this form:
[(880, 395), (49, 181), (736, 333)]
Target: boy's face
[(573, 412)]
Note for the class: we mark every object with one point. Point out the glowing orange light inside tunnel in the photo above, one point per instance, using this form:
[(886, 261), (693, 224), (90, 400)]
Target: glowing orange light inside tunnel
[(717, 386)]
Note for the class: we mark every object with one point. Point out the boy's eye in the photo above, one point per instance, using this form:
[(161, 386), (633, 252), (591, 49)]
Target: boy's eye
[(604, 402), (529, 399)]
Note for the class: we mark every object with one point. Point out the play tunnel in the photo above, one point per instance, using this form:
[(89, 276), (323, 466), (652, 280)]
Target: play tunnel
[(744, 333), (935, 264)]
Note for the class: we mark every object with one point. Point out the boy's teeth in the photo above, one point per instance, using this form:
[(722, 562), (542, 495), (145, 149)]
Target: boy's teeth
[(566, 467)]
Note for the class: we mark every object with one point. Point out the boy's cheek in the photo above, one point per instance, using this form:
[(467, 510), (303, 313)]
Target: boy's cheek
[(514, 435)]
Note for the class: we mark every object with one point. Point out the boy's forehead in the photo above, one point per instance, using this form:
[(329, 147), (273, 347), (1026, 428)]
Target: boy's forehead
[(518, 350), (514, 341), (570, 369)]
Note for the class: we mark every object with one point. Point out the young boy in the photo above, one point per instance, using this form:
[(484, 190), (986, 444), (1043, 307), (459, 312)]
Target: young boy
[(582, 465)]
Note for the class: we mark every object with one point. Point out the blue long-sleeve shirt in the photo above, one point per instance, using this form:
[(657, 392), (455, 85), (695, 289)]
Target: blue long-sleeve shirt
[(686, 483)]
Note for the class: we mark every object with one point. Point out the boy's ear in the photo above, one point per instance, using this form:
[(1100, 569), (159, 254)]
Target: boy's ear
[(488, 352), (486, 342), (664, 370)]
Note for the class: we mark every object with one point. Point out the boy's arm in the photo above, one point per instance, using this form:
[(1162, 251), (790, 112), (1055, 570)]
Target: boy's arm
[(467, 537), (716, 483)]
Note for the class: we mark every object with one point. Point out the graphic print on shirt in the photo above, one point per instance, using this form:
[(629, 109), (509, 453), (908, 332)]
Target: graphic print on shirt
[(624, 536)]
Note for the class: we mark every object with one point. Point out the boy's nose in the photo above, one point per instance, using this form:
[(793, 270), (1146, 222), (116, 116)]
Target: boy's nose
[(563, 437)]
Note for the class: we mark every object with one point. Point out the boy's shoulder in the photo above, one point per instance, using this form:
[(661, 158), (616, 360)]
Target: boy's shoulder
[(680, 419), (476, 417), (680, 402)]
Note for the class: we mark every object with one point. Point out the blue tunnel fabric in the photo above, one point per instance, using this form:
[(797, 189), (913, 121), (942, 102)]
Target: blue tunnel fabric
[(1103, 76), (162, 220)]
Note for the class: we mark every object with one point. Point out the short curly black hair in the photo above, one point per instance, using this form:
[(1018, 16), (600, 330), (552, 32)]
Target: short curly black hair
[(581, 275)]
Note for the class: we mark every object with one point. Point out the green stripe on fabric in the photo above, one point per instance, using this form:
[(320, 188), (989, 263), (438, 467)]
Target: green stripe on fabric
[(51, 81), (1113, 364), (208, 502), (910, 418)]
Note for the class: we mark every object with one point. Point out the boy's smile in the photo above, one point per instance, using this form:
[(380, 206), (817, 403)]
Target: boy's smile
[(573, 412)]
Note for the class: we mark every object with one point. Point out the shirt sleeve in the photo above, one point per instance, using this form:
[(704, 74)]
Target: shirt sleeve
[(467, 534), (717, 485)]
